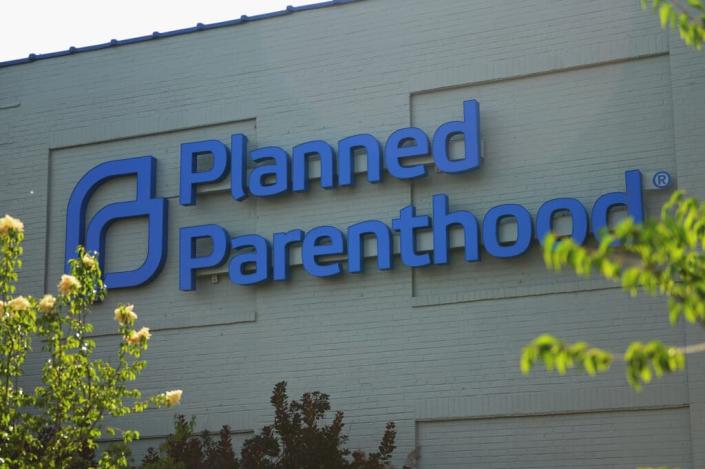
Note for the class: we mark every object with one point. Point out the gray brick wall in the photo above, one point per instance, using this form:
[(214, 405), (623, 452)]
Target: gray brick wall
[(572, 94)]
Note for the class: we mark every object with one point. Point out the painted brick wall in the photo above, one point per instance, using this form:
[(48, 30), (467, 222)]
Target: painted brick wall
[(572, 94)]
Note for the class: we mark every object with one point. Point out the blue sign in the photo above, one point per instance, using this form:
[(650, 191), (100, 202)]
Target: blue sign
[(257, 259), (145, 204), (254, 259)]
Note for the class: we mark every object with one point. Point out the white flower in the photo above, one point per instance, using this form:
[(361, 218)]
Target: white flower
[(46, 304), (8, 223), (124, 314), (67, 284), (173, 397), (18, 304)]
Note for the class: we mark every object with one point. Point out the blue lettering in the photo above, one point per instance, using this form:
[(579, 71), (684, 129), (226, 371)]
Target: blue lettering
[(256, 253), (300, 165), (190, 177), (406, 143), (346, 158), (632, 199), (356, 233), (189, 263), (282, 241), (279, 170), (255, 260), (312, 250), (470, 129), (544, 218), (490, 230), (238, 167), (406, 225), (442, 220)]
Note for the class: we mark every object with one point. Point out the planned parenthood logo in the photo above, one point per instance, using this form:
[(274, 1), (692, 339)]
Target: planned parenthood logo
[(92, 234), (327, 251)]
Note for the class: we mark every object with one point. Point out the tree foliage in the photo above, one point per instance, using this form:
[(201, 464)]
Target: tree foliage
[(58, 423), (298, 439), (688, 16), (184, 449), (665, 256)]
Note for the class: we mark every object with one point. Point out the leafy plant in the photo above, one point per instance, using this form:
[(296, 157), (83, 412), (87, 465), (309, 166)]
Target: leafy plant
[(687, 16), (58, 424), (184, 449), (660, 257), (298, 439)]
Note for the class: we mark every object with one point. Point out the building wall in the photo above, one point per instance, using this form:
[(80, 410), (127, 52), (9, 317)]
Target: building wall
[(572, 94)]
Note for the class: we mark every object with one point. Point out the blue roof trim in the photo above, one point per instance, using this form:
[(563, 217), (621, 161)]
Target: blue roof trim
[(178, 32)]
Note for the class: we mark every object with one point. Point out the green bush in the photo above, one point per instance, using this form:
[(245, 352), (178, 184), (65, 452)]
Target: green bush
[(58, 424), (298, 439)]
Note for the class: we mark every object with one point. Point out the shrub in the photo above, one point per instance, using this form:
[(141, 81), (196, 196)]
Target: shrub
[(58, 424), (298, 439)]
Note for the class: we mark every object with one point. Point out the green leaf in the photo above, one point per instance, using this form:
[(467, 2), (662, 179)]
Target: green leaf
[(630, 277), (664, 13), (525, 363), (674, 312)]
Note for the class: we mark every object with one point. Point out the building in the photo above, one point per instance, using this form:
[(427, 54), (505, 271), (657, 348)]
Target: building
[(572, 95)]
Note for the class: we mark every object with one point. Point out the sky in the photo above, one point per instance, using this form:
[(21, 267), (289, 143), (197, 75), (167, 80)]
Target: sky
[(41, 26)]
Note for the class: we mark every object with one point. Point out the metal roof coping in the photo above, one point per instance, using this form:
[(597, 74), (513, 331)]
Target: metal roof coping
[(177, 32)]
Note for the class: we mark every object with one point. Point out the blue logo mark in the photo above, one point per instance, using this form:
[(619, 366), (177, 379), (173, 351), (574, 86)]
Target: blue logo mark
[(145, 204), (661, 179)]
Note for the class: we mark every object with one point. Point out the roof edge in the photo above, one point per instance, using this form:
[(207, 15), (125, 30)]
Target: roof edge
[(177, 32)]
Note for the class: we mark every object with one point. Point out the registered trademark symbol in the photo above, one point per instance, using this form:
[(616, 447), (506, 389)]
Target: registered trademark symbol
[(661, 179)]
